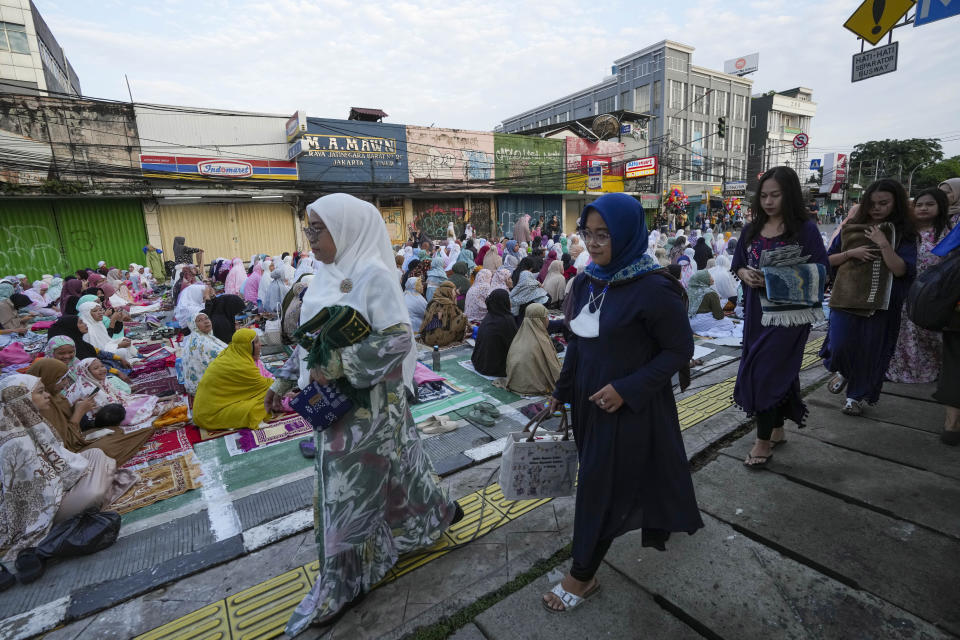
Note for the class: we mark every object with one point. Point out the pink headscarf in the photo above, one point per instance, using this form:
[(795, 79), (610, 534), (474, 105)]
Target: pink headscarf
[(235, 279), (253, 283), (94, 279)]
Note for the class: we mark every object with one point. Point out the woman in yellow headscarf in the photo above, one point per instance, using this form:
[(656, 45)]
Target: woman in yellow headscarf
[(230, 394)]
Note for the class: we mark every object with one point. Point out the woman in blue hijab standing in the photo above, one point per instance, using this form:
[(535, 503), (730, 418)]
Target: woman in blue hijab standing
[(630, 335)]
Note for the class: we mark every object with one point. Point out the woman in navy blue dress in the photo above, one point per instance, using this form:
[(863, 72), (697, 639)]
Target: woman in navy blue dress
[(768, 382), (859, 348), (629, 335)]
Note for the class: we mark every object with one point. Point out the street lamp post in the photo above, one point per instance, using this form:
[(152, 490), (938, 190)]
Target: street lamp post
[(910, 179)]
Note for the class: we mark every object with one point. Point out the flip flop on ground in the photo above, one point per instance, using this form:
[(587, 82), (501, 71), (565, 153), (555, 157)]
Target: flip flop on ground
[(569, 600)]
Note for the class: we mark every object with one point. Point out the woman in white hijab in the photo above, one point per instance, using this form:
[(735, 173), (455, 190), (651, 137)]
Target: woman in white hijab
[(269, 266), (92, 315), (453, 253), (288, 272), (689, 253), (191, 300), (307, 266), (395, 504), (416, 303)]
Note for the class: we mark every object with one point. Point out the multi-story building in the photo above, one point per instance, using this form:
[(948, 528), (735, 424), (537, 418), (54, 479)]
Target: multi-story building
[(776, 119), (682, 104), (31, 60)]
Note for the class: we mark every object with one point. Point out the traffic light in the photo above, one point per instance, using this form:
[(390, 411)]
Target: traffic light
[(722, 127)]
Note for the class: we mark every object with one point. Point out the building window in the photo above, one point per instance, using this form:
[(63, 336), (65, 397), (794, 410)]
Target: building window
[(625, 100), (676, 130), (720, 103), (739, 107), (641, 99), (657, 92), (676, 100), (606, 105), (13, 37), (753, 150), (753, 121)]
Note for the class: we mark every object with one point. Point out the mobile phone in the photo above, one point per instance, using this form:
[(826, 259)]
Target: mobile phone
[(93, 393)]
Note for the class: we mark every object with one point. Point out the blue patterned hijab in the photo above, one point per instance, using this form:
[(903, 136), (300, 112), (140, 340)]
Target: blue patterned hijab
[(624, 218)]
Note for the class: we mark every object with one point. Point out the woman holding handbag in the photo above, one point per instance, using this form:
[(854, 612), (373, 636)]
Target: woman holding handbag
[(630, 334), (377, 493)]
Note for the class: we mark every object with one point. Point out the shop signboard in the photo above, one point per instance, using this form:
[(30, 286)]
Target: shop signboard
[(737, 188), (834, 172), (449, 155), (296, 126), (190, 167), (583, 154), (526, 163), (338, 151), (642, 167), (595, 178), (743, 65)]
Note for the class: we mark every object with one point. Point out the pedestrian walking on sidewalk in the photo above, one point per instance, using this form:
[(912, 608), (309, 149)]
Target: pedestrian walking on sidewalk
[(860, 340), (768, 381), (630, 335), (377, 495)]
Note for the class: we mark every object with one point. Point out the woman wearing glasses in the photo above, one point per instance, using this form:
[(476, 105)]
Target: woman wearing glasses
[(630, 334)]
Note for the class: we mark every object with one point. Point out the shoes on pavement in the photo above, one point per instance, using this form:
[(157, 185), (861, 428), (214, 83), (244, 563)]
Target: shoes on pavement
[(853, 407), (836, 384)]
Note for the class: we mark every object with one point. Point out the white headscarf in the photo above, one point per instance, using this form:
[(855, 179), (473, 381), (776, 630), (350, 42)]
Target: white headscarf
[(407, 253), (689, 252), (453, 252), (723, 282), (364, 266), (264, 280), (307, 265), (190, 301), (97, 335), (288, 271)]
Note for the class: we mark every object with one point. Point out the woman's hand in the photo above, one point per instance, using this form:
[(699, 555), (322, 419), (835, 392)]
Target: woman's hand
[(751, 277), (123, 363), (554, 405), (863, 254), (84, 406), (272, 402), (123, 344), (607, 399), (876, 236)]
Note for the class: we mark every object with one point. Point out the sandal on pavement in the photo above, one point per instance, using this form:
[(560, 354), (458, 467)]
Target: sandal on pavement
[(476, 415), (836, 384), (569, 600), (852, 408), (763, 460), (488, 408), (776, 443)]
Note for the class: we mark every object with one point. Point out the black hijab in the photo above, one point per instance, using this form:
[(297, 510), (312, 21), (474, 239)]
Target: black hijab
[(702, 253), (67, 326), (413, 264), (524, 265), (494, 336), (222, 312)]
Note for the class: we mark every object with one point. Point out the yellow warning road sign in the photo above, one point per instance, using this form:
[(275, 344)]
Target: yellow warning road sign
[(874, 18)]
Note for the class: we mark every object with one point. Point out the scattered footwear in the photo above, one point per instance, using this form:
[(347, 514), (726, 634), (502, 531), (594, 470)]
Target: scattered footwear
[(437, 424), (569, 600), (837, 384), (479, 417), (488, 409), (951, 438), (308, 448), (30, 566), (761, 462), (853, 407)]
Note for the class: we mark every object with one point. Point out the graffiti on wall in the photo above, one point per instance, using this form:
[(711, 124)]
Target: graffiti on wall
[(449, 154), (481, 218), (525, 163), (432, 217), (34, 245), (540, 210)]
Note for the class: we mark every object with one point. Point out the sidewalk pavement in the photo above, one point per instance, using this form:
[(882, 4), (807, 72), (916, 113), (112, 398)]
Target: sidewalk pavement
[(853, 531)]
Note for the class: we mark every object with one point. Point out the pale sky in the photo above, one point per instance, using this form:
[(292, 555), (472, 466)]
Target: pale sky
[(469, 65)]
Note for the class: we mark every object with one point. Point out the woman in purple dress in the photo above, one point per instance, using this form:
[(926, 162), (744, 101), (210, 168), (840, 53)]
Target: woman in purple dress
[(629, 335), (858, 348), (768, 382)]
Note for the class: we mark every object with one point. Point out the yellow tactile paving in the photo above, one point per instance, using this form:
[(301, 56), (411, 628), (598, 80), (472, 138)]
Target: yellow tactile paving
[(262, 611)]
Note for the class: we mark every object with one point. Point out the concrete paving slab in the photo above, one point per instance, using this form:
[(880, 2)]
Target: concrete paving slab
[(919, 391), (904, 445), (619, 610), (909, 566), (921, 497), (738, 588), (926, 416), (469, 632)]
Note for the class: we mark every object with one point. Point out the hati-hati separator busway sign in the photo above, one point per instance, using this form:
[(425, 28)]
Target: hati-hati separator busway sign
[(874, 18), (933, 10), (874, 62)]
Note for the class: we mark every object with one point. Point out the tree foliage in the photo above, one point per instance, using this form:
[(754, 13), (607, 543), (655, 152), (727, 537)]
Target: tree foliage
[(894, 158), (936, 173)]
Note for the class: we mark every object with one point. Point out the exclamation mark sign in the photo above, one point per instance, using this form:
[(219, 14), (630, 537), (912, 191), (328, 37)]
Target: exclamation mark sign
[(878, 7)]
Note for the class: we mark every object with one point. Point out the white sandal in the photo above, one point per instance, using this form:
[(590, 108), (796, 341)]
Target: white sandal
[(569, 600)]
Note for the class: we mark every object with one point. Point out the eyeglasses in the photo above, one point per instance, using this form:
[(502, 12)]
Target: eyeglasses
[(600, 238), (312, 233)]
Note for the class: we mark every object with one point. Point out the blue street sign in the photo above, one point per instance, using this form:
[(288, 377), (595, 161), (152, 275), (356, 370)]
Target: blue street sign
[(932, 10), (814, 164)]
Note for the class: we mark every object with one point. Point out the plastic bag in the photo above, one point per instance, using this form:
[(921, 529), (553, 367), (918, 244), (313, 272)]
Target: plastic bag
[(83, 534)]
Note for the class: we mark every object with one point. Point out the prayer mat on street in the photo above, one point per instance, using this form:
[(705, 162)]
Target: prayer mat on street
[(153, 375), (159, 386), (288, 427), (214, 434), (165, 479), (468, 365), (150, 347), (161, 445), (431, 391), (438, 407)]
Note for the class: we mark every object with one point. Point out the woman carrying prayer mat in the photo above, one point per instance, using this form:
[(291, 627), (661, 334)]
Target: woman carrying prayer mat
[(768, 381), (199, 349), (92, 379), (65, 417), (396, 504), (443, 322), (475, 305), (532, 364), (629, 337), (860, 340), (231, 392), (494, 336), (526, 291)]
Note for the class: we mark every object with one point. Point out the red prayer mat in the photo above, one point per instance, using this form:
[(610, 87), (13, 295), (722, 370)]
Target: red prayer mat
[(161, 445)]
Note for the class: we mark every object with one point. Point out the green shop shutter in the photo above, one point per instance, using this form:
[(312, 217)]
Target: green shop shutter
[(94, 230), (29, 241)]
